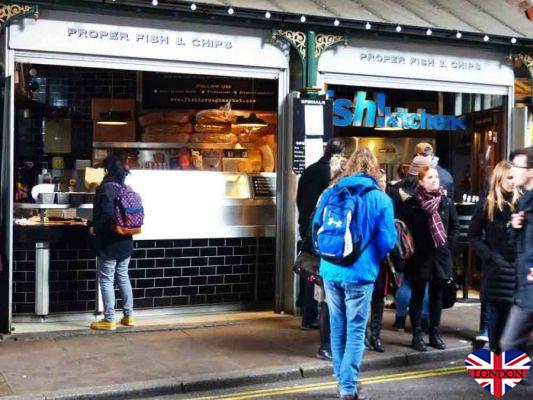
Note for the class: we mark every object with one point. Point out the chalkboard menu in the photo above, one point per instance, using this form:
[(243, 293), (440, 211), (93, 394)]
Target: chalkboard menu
[(164, 91), (264, 186)]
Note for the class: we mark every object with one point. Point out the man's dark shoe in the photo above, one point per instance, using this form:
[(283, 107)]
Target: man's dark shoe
[(309, 327), (348, 397), (435, 340), (376, 344), (324, 355), (418, 342), (399, 323), (425, 325)]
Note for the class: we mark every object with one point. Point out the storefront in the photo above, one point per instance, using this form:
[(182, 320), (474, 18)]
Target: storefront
[(390, 96), (178, 104)]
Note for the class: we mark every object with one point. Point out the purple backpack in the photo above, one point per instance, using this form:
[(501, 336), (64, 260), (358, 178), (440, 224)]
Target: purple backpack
[(129, 211)]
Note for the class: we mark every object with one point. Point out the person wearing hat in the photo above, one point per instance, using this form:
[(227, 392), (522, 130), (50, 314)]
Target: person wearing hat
[(446, 179), (400, 193)]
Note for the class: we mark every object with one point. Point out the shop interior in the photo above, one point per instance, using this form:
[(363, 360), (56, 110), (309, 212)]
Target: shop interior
[(202, 152), (468, 154), (68, 119)]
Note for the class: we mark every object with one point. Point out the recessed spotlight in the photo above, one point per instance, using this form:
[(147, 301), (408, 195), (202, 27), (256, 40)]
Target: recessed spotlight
[(513, 40), (303, 19), (398, 28), (231, 11), (486, 38), (193, 7), (336, 22), (267, 15), (458, 35), (429, 32), (155, 2), (368, 26)]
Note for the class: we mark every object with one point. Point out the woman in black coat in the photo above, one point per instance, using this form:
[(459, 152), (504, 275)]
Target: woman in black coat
[(432, 219), (491, 238)]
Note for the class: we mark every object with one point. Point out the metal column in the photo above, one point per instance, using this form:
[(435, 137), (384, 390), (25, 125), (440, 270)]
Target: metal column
[(42, 278)]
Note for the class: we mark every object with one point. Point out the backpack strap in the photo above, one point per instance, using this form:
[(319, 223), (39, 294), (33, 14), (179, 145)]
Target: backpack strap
[(374, 234)]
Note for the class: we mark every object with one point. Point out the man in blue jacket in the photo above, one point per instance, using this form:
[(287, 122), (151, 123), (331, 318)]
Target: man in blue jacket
[(349, 288)]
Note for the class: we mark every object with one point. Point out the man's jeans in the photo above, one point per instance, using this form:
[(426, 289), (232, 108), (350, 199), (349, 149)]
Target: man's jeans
[(403, 296), (517, 330), (106, 276), (348, 314)]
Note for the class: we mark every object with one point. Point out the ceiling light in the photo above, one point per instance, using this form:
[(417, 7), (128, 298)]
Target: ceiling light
[(252, 121), (458, 35), (267, 15), (231, 11), (303, 19), (368, 26), (398, 28), (336, 22), (114, 118), (513, 40), (429, 32), (155, 2), (486, 38), (193, 7)]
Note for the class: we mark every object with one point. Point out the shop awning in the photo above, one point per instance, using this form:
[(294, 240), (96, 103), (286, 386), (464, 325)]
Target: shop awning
[(496, 17)]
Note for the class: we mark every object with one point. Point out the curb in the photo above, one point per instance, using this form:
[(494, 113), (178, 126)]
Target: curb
[(215, 381)]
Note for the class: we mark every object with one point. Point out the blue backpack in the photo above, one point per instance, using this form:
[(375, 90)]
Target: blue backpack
[(336, 232)]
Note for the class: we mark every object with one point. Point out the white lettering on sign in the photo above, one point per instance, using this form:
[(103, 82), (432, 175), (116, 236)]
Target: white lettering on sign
[(425, 62), (150, 39)]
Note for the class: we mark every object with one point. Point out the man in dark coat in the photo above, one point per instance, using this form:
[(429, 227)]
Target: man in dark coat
[(446, 179), (520, 322), (312, 183)]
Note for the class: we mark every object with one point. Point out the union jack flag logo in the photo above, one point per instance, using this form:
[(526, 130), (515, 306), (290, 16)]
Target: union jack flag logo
[(498, 373)]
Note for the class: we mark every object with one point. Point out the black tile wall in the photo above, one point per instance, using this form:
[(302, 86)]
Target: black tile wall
[(163, 273), (67, 92)]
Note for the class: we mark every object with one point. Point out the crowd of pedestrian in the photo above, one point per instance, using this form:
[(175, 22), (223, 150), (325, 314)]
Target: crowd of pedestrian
[(501, 233)]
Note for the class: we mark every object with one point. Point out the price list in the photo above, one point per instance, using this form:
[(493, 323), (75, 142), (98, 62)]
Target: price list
[(264, 186)]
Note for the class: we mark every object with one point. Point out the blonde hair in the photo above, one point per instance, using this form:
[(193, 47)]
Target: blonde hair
[(496, 196), (361, 161)]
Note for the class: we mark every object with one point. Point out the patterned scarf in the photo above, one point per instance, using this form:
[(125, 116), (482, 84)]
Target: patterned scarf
[(429, 202)]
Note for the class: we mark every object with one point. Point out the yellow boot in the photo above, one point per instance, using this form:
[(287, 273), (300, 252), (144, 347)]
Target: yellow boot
[(104, 325), (128, 321)]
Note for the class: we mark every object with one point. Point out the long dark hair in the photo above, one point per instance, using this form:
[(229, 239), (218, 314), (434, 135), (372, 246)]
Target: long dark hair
[(115, 170)]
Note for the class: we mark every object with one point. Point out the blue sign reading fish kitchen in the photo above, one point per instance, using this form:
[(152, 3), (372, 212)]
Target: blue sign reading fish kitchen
[(375, 114)]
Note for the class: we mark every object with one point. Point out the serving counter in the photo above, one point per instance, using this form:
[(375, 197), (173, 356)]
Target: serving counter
[(208, 238)]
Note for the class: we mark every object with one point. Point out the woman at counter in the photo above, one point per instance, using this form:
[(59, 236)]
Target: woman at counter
[(490, 236), (432, 220), (113, 251)]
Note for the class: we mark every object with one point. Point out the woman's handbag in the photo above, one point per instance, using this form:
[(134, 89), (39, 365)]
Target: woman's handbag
[(449, 294), (306, 265)]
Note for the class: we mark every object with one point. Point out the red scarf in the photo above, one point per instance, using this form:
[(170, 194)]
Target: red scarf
[(429, 202)]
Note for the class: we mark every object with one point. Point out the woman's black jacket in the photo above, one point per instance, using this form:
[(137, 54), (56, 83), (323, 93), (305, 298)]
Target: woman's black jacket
[(494, 244), (429, 262), (109, 245)]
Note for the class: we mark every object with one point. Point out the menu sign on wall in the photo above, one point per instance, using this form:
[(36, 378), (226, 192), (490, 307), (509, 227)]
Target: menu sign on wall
[(183, 91), (264, 186)]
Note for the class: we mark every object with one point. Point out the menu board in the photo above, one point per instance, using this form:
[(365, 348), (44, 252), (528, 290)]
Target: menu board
[(312, 123), (164, 91), (264, 186)]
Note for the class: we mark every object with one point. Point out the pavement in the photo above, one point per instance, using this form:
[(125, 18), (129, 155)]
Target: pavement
[(186, 358)]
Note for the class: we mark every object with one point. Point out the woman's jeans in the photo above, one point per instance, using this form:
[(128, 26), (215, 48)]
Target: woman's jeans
[(435, 304), (403, 296), (348, 305), (499, 312), (106, 275)]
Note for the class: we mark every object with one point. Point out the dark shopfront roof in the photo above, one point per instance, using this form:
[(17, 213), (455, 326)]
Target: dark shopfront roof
[(473, 18)]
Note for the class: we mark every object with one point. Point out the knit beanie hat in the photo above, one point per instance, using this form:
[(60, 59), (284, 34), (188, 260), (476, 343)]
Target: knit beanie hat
[(417, 164)]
